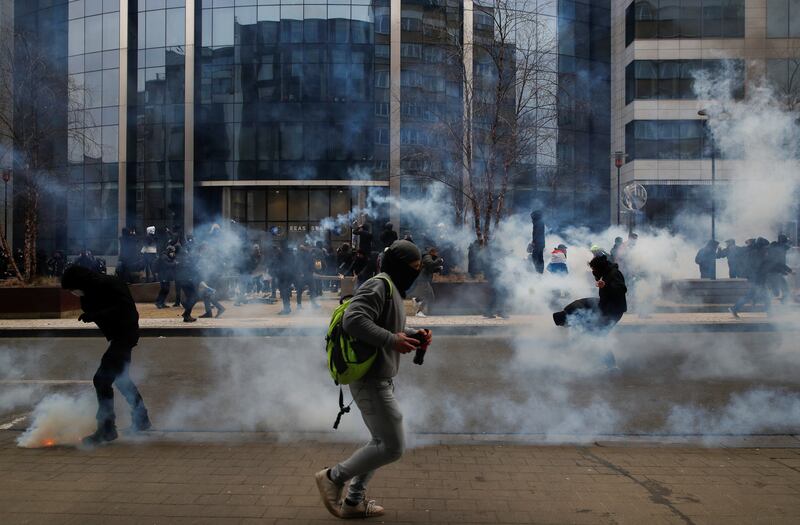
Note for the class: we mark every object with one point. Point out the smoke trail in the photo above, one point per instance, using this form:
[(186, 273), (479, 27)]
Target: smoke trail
[(60, 420)]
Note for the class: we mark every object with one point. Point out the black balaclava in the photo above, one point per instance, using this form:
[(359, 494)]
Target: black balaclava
[(600, 266), (396, 262)]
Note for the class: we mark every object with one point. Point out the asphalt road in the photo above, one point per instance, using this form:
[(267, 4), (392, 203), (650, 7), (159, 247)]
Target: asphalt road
[(547, 386)]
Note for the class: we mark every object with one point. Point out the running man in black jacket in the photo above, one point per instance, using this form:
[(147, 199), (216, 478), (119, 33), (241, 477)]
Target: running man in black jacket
[(106, 301)]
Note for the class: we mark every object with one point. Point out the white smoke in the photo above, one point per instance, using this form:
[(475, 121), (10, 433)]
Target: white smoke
[(60, 419)]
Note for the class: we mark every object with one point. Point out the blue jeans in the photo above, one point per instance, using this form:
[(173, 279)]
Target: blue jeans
[(381, 413)]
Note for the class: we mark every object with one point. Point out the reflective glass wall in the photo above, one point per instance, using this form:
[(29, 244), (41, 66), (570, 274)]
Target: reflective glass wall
[(156, 113), (289, 90)]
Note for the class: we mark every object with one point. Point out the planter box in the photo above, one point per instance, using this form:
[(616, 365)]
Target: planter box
[(459, 298), (38, 303)]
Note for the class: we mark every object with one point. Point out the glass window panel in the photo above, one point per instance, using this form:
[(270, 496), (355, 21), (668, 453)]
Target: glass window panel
[(93, 7), (794, 18), (93, 34), (691, 139), (268, 24), (176, 27), (110, 6), (298, 205), (110, 91), (291, 141), (110, 143), (256, 205), (733, 18), (223, 27), (111, 31), (276, 205), (155, 29), (76, 9), (319, 204), (646, 19), (93, 89), (777, 19), (669, 73), (206, 27), (93, 61), (668, 18), (646, 79), (712, 18), (75, 41), (691, 17)]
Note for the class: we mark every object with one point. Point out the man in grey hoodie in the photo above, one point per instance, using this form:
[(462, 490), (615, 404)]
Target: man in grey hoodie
[(378, 320)]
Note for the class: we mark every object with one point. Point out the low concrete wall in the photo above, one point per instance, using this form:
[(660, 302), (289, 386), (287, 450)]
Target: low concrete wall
[(705, 291), (38, 302)]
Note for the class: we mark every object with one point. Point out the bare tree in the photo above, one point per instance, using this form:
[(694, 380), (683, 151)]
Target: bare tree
[(508, 75), (41, 104)]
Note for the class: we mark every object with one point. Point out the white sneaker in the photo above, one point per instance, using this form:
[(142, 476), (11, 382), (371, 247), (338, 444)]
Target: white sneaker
[(420, 314), (330, 492), (364, 509)]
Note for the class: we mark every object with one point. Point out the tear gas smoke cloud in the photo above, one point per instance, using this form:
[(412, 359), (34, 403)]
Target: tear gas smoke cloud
[(60, 419), (761, 137)]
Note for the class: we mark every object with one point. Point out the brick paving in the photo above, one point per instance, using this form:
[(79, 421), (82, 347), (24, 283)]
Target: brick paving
[(259, 480)]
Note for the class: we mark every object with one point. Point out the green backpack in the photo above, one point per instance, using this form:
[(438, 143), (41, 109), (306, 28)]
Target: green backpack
[(348, 358)]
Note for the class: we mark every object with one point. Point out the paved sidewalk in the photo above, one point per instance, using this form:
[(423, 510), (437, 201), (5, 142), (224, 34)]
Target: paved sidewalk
[(263, 319), (181, 479)]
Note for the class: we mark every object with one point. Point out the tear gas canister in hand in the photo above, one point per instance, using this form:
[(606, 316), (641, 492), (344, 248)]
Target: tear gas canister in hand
[(422, 347)]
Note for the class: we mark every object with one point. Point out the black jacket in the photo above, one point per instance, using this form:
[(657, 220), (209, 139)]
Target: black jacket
[(106, 301), (166, 267), (612, 295), (388, 236)]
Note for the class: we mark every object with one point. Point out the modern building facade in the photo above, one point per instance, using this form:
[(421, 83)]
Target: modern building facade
[(659, 49), (279, 113)]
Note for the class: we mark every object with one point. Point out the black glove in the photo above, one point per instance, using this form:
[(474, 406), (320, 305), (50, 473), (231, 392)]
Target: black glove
[(86, 318)]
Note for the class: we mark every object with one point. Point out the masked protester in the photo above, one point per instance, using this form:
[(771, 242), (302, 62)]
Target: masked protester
[(106, 301), (597, 315), (378, 320)]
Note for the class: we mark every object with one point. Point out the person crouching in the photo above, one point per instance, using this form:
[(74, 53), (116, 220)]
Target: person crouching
[(107, 302)]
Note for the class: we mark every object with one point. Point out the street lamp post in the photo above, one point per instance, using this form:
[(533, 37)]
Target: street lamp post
[(704, 113), (619, 160)]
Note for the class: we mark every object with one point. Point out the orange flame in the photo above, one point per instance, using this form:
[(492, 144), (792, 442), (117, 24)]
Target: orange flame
[(49, 442)]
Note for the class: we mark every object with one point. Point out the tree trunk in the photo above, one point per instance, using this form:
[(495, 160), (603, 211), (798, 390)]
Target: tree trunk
[(31, 229), (9, 255)]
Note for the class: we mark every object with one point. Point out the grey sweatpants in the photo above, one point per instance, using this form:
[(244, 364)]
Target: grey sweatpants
[(381, 413)]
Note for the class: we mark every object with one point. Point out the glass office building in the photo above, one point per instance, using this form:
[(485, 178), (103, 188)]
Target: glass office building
[(278, 113)]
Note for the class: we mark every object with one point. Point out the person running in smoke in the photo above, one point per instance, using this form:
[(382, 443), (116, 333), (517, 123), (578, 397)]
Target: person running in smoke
[(776, 279), (422, 293), (185, 275), (491, 259), (205, 274), (756, 268), (282, 275), (615, 249), (536, 247), (706, 259), (166, 266), (734, 255), (107, 302), (377, 320), (598, 315), (150, 254)]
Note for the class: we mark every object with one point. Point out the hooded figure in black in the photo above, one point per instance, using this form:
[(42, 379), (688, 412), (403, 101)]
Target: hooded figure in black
[(536, 247), (603, 312), (106, 301), (706, 259), (388, 235)]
